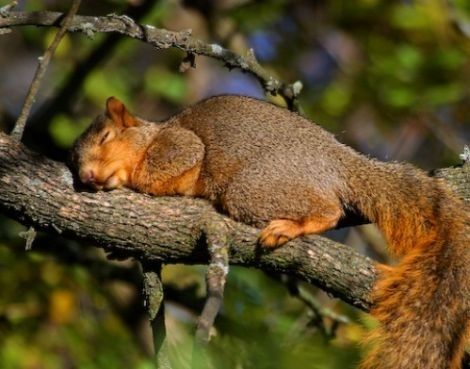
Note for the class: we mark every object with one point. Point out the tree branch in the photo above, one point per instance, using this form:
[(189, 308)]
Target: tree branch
[(153, 292), (160, 38), (39, 192)]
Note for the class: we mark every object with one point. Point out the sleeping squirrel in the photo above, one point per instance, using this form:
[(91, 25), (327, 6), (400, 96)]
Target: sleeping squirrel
[(271, 168)]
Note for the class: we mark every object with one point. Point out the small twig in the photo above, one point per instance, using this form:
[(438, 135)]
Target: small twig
[(153, 292), (216, 235), (163, 39), (217, 244), (189, 61), (319, 312), (18, 129), (465, 155), (29, 236), (460, 24), (5, 10), (440, 130), (40, 120)]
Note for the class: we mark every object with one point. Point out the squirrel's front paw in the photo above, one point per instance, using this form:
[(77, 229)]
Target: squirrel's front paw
[(278, 232)]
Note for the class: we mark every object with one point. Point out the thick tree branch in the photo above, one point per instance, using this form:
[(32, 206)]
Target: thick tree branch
[(39, 192), (160, 38)]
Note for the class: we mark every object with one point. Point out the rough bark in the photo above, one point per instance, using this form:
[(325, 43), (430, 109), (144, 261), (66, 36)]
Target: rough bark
[(40, 193)]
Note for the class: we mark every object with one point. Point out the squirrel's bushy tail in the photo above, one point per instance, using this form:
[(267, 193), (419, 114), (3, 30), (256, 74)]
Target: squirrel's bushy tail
[(421, 304), (422, 311)]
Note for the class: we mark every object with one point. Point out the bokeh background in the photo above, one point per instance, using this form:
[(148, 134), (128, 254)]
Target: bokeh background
[(390, 78)]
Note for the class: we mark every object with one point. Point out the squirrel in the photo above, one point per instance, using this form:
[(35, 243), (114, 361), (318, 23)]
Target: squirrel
[(274, 169)]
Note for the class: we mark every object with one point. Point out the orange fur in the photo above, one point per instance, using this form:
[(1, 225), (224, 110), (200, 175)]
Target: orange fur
[(280, 231), (421, 303), (114, 160), (185, 184)]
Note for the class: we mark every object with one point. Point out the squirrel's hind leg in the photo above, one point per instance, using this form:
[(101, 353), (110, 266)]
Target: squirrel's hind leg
[(279, 231)]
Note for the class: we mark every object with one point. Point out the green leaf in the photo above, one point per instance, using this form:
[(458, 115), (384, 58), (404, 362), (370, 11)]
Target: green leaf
[(336, 98), (101, 84), (408, 17), (444, 94), (64, 130), (162, 83), (399, 97), (258, 14), (409, 57), (449, 59)]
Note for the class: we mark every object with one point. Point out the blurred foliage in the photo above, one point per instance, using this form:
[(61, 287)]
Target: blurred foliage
[(55, 316), (59, 316), (160, 82), (64, 130), (391, 78)]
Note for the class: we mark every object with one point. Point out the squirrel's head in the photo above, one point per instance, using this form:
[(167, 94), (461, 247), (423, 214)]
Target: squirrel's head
[(105, 154)]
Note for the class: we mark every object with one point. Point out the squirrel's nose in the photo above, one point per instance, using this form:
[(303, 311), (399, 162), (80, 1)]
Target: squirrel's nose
[(89, 177)]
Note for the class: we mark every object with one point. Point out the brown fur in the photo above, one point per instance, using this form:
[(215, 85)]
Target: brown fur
[(271, 168)]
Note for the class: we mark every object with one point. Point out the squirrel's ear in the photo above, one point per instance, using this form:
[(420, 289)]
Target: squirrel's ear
[(118, 113)]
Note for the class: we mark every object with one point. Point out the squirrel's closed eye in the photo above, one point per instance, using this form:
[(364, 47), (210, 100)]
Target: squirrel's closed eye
[(106, 137)]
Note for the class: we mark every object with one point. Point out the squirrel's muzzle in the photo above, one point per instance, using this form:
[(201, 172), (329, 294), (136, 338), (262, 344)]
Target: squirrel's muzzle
[(88, 177)]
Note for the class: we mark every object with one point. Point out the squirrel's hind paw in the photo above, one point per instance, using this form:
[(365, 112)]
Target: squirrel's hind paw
[(278, 232)]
